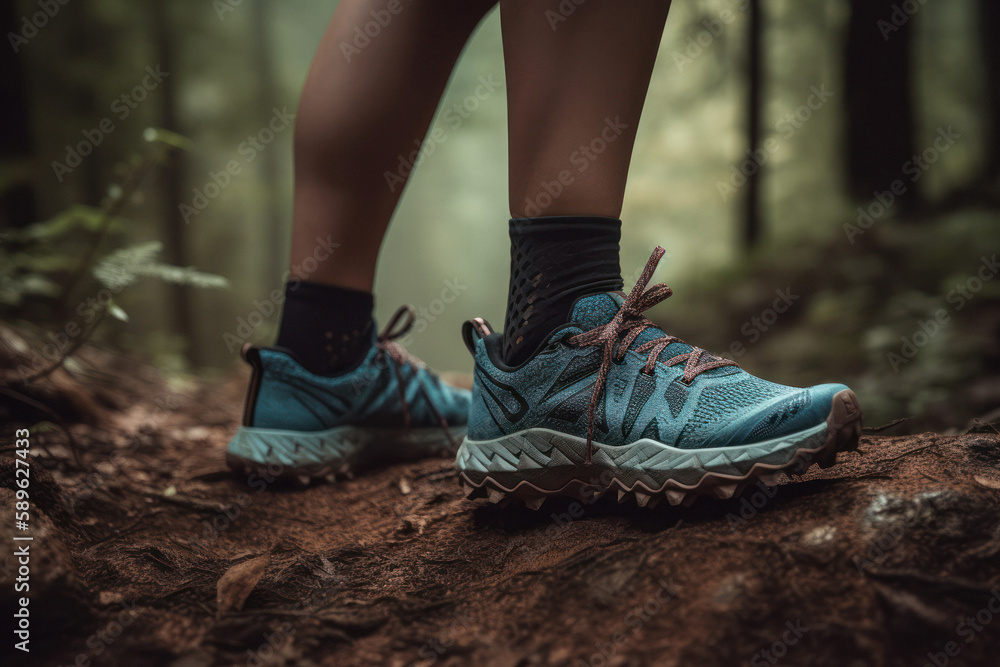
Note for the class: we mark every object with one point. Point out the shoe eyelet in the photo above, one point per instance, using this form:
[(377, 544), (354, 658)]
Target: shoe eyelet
[(649, 374)]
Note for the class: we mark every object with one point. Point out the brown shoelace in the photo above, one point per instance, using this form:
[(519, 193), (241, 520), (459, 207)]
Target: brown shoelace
[(390, 349), (630, 321)]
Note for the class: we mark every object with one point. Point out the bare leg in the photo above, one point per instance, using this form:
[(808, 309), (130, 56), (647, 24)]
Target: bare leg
[(576, 84), (575, 93), (359, 112)]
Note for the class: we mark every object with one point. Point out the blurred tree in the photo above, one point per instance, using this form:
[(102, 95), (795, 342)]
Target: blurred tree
[(751, 214), (17, 198), (174, 228), (879, 93), (989, 28), (261, 27)]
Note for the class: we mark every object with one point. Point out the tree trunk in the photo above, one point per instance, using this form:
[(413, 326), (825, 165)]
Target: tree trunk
[(275, 232), (17, 200), (989, 25), (174, 228), (879, 98), (751, 213)]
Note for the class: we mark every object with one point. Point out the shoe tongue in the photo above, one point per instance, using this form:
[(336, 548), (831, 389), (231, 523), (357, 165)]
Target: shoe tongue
[(595, 311)]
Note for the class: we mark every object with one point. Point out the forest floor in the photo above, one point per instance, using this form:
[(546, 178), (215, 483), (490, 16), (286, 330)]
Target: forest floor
[(149, 551)]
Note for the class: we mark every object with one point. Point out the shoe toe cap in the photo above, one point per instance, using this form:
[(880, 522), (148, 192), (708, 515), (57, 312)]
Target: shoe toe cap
[(796, 412)]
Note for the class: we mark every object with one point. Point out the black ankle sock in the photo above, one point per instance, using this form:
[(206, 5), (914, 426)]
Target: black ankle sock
[(327, 328), (553, 262)]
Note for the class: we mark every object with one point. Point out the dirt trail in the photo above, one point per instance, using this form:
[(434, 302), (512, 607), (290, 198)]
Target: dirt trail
[(873, 562)]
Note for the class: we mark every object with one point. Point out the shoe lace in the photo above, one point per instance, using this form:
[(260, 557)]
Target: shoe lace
[(616, 337), (400, 358)]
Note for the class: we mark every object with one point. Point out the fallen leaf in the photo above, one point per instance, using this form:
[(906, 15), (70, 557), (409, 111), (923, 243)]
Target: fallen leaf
[(988, 482), (235, 586)]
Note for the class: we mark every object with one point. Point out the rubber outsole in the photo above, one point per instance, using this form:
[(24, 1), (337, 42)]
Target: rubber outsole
[(337, 453), (843, 431)]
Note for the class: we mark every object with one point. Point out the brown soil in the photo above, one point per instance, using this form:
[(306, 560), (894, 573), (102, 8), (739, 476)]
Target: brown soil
[(150, 552)]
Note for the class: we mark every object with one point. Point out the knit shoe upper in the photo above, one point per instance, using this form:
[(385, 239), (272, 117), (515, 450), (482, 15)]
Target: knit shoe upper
[(290, 397), (389, 407), (720, 407), (610, 401)]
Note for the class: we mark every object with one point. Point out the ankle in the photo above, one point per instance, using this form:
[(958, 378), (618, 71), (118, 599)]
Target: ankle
[(327, 327), (555, 261)]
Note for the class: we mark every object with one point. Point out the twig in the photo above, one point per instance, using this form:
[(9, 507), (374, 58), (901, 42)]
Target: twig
[(53, 417), (129, 530), (108, 214), (908, 452), (66, 355), (876, 429), (978, 423)]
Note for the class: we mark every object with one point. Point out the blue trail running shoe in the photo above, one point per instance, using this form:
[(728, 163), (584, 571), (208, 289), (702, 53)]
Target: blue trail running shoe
[(611, 404), (389, 408)]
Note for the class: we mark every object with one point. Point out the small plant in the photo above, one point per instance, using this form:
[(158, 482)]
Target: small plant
[(49, 262)]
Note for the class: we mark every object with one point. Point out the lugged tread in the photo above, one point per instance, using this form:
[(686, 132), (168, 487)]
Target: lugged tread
[(843, 431), (336, 454)]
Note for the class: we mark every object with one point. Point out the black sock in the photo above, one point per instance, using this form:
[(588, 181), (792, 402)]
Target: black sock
[(327, 328), (553, 262)]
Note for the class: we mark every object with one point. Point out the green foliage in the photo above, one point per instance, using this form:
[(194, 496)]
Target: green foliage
[(33, 259), (124, 267), (52, 259)]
